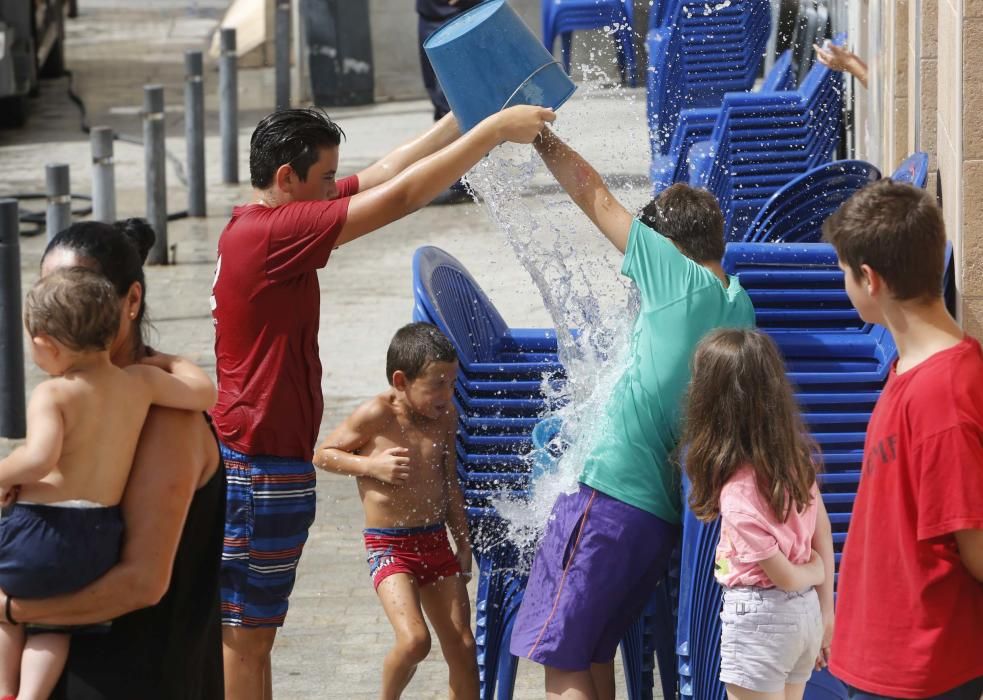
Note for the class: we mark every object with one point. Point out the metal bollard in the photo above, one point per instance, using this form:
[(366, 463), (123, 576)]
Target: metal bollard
[(155, 167), (228, 107), (58, 189), (282, 39), (103, 174), (194, 125), (13, 408)]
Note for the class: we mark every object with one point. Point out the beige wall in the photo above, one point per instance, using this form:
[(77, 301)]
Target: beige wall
[(950, 100), (970, 169), (922, 132)]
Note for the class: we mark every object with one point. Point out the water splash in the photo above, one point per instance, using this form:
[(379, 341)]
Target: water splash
[(551, 239)]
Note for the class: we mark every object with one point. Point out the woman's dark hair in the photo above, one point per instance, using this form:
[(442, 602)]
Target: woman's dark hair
[(742, 412), (291, 137), (117, 251), (414, 347), (690, 218)]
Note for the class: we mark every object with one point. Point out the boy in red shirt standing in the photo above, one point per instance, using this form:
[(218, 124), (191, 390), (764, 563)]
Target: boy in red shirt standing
[(266, 309), (909, 616)]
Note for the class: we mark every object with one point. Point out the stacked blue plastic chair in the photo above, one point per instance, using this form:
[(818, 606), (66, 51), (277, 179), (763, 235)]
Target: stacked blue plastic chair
[(564, 17), (498, 399), (696, 55), (838, 366), (498, 396), (761, 141), (797, 211), (670, 161)]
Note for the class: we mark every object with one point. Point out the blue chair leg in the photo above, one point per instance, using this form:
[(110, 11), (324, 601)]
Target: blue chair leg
[(500, 591), (631, 67), (484, 619), (566, 40), (663, 636)]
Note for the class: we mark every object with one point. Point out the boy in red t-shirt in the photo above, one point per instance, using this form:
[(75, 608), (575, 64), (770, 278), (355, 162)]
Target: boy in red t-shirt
[(266, 310), (909, 615)]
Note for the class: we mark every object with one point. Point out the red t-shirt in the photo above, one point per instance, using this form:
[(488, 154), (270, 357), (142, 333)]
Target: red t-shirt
[(909, 616), (266, 305)]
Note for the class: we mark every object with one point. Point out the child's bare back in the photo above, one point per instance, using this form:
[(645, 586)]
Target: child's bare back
[(97, 413), (83, 424)]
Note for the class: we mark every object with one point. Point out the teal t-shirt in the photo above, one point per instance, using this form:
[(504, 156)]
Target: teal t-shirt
[(681, 301)]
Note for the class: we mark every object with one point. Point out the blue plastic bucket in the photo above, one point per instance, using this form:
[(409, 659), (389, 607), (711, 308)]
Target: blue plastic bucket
[(545, 454), (487, 59)]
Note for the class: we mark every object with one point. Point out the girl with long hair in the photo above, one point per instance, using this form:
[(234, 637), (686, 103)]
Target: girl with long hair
[(751, 463)]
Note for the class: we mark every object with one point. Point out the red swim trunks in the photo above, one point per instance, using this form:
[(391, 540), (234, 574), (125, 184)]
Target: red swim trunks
[(422, 552)]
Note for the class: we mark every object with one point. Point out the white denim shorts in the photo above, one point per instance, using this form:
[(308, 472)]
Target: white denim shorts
[(769, 637)]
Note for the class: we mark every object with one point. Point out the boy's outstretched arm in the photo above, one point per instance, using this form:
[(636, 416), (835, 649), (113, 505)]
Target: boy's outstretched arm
[(822, 543), (40, 452), (794, 577), (457, 519), (175, 382), (586, 188), (338, 452), (416, 186), (438, 136)]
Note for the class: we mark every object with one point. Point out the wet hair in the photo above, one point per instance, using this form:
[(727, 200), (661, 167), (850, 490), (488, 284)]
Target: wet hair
[(690, 218), (414, 347), (291, 137), (741, 411), (76, 306), (897, 230), (116, 251)]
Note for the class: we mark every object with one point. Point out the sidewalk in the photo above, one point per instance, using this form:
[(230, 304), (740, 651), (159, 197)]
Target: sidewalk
[(336, 634)]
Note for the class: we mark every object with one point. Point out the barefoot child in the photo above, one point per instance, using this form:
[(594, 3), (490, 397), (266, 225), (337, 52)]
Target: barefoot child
[(83, 424), (400, 446), (750, 462)]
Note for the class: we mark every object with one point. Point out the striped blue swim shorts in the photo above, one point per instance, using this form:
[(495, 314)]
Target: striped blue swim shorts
[(269, 509)]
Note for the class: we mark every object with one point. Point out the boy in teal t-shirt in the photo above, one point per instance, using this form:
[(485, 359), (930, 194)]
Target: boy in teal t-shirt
[(607, 545)]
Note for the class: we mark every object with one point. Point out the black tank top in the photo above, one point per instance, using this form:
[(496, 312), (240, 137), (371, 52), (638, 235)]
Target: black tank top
[(173, 649)]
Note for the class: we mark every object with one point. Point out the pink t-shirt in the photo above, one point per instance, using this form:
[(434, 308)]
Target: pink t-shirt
[(750, 533)]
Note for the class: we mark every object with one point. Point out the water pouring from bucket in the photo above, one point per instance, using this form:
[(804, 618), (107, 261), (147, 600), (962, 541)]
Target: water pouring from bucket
[(487, 59)]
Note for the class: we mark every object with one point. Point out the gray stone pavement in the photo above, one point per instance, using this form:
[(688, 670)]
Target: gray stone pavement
[(336, 633)]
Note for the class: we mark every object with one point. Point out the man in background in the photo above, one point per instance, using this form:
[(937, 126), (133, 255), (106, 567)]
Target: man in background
[(432, 14)]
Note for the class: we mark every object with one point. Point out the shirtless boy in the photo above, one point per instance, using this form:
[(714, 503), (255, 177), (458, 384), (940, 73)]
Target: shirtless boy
[(400, 447), (83, 425)]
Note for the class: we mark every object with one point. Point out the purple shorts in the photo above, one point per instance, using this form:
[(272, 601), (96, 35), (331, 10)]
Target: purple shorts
[(596, 567)]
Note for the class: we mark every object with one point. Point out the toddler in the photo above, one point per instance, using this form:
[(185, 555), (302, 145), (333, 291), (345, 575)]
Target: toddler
[(65, 529)]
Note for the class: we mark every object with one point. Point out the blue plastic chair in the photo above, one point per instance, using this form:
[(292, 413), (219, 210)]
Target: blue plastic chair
[(696, 56), (447, 296), (564, 17), (762, 140), (670, 161), (795, 212), (913, 170), (498, 598)]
